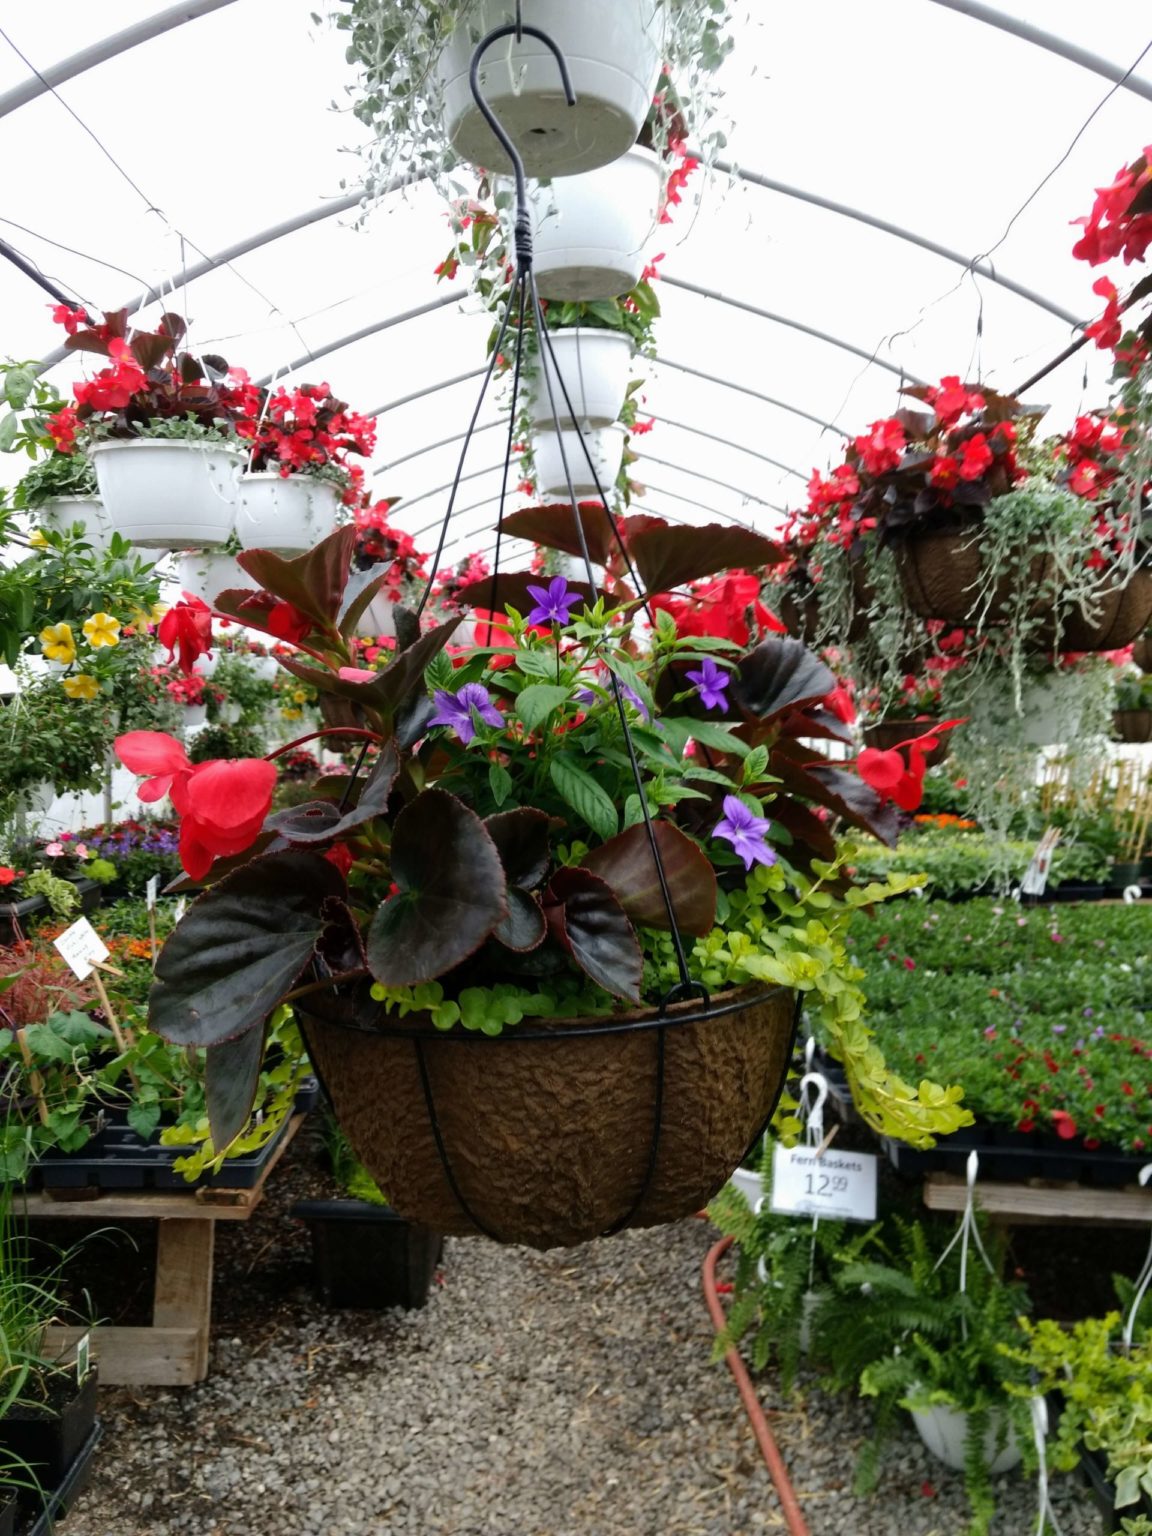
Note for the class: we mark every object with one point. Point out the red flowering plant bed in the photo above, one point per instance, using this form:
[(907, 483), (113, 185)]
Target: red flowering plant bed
[(495, 864), (1041, 1015)]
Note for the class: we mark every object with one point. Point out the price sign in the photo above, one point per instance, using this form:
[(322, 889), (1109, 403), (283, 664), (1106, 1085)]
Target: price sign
[(840, 1186), (151, 891), (82, 947)]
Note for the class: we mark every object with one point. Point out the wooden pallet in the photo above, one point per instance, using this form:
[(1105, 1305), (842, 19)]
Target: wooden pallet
[(173, 1352), (1042, 1202)]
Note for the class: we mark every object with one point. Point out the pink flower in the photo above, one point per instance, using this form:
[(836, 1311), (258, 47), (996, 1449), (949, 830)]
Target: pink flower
[(356, 674), (54, 850)]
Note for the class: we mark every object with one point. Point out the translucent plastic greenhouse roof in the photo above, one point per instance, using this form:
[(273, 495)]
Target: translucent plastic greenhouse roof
[(907, 110)]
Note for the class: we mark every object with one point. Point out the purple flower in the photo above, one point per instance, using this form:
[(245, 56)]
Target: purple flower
[(456, 710), (711, 682), (586, 696), (553, 602), (1059, 1029), (746, 831)]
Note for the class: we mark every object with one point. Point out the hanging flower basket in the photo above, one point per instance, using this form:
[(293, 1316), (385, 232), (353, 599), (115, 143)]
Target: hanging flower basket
[(551, 451), (591, 230), (595, 366), (169, 494), (1122, 616), (1142, 653), (205, 573), (940, 572), (63, 513), (1133, 725), (559, 1130), (884, 735), (944, 1430), (285, 513), (612, 49)]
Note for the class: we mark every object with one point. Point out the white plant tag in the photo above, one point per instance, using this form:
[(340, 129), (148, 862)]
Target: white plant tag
[(83, 1358), (82, 947), (839, 1186), (1035, 879), (178, 911), (151, 891)]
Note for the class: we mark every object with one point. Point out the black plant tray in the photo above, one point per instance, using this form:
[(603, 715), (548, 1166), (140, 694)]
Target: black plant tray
[(117, 1158), (7, 1513), (13, 914), (59, 1500), (1009, 1156), (1068, 890), (307, 1096), (367, 1256), (49, 1439), (1093, 1464)]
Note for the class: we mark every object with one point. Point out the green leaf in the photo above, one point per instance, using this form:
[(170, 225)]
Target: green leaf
[(9, 427), (18, 385), (499, 782), (240, 947), (709, 733), (588, 799), (755, 765), (536, 663), (537, 702), (231, 1078), (451, 892), (629, 676), (45, 1044), (144, 1118)]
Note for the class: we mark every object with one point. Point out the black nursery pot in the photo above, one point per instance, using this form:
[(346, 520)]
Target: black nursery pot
[(1121, 876), (14, 915), (7, 1512), (366, 1256), (50, 1435)]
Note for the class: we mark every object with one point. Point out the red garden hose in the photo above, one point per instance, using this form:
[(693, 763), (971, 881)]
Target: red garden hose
[(797, 1525)]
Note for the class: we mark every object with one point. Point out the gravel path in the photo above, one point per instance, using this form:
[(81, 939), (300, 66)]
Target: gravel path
[(562, 1394)]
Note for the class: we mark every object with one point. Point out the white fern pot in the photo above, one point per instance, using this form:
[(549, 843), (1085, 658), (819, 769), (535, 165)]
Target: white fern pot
[(944, 1431), (63, 513), (749, 1183), (592, 230), (552, 451), (205, 574), (613, 50), (595, 366), (288, 514), (39, 799), (195, 716), (169, 495), (1051, 710), (266, 668), (229, 714)]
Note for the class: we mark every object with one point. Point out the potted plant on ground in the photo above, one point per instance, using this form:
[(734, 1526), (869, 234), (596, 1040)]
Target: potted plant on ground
[(159, 426), (363, 1253), (496, 866)]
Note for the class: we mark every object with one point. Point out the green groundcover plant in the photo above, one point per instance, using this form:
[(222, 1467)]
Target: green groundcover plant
[(1041, 1013), (494, 863)]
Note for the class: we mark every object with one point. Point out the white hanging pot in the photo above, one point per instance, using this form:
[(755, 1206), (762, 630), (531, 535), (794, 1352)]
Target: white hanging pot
[(38, 800), (592, 230), (230, 713), (63, 513), (205, 575), (613, 50), (749, 1183), (266, 668), (165, 494), (1051, 712), (596, 367), (288, 514), (195, 715), (378, 620), (551, 450), (944, 1431)]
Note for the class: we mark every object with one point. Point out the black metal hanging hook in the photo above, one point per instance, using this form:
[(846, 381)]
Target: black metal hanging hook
[(518, 30)]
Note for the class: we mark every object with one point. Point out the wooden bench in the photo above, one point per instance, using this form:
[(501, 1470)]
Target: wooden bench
[(173, 1352), (1042, 1202)]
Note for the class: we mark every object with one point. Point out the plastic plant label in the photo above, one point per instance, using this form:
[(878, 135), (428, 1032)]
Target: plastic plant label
[(178, 911), (839, 1185), (1035, 879), (151, 891), (83, 1358), (82, 947)]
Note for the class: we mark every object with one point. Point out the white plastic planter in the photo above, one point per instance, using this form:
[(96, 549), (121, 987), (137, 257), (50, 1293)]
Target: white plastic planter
[(266, 668), (378, 620), (592, 230), (195, 716), (205, 575), (551, 450), (749, 1183), (62, 515), (944, 1431), (596, 367), (1052, 712), (169, 495), (613, 50), (288, 514)]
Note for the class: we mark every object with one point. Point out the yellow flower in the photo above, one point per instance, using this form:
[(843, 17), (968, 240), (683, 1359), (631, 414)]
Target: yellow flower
[(36, 539), (58, 643), (101, 629), (82, 686), (292, 714), (299, 696), (142, 616)]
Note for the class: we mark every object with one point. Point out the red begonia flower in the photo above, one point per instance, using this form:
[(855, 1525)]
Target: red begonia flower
[(894, 779), (186, 629), (975, 457), (160, 758)]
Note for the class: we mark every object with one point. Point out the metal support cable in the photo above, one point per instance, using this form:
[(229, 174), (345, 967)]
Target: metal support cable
[(844, 210), (743, 389), (22, 264), (794, 325), (453, 296), (1060, 46), (109, 47), (422, 394)]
